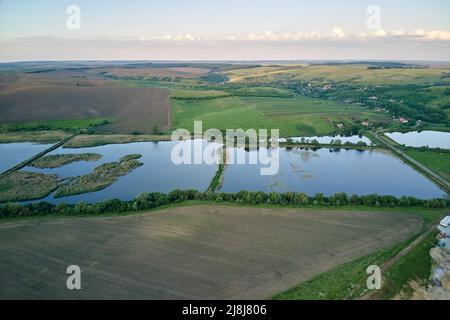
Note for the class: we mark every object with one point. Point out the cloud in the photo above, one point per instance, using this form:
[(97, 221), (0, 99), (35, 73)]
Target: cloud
[(336, 33), (168, 38), (380, 33), (421, 34), (432, 35), (402, 47)]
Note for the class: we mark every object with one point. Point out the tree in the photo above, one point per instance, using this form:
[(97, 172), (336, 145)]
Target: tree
[(319, 197), (303, 198)]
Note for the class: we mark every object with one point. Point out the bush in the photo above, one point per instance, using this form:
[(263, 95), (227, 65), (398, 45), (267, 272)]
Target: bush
[(146, 201)]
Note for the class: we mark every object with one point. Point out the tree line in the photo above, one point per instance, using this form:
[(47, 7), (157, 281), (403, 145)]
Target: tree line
[(148, 201)]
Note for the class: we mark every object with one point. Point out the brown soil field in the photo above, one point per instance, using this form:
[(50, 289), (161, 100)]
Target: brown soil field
[(191, 252), (135, 109)]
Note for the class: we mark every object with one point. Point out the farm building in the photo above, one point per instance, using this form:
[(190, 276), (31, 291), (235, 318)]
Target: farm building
[(445, 222), (444, 232)]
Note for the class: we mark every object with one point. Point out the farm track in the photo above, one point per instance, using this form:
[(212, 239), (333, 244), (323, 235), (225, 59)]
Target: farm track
[(430, 228)]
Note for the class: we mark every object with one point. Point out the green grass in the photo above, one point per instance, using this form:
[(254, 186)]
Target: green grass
[(33, 136), (222, 113), (263, 92), (197, 94), (439, 162), (348, 281), (322, 74), (300, 116), (65, 125), (59, 160), (22, 185), (415, 265)]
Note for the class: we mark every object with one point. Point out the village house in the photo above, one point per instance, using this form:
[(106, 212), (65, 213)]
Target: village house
[(365, 123)]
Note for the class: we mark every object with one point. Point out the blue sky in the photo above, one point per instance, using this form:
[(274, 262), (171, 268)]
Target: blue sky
[(416, 24)]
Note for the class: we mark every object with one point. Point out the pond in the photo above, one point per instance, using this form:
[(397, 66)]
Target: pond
[(324, 170), (158, 174), (11, 154), (327, 139), (328, 172), (432, 139)]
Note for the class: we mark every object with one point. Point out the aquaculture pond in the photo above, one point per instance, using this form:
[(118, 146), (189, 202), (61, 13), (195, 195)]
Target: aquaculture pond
[(12, 154), (158, 174), (330, 171), (432, 139), (310, 171)]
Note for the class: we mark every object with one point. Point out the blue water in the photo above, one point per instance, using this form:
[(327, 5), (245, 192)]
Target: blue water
[(11, 154), (349, 171), (158, 174)]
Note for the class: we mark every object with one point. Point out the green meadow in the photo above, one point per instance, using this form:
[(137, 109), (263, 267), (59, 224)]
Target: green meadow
[(293, 116)]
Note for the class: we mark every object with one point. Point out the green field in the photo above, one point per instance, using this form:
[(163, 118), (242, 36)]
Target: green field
[(66, 125), (325, 73), (437, 161), (293, 116), (33, 136), (197, 94)]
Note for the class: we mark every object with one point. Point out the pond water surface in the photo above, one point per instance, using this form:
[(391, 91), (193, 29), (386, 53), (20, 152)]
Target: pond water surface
[(328, 172), (432, 139), (11, 154), (158, 174), (300, 170)]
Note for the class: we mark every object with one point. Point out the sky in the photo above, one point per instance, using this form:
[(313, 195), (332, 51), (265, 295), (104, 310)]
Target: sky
[(224, 30)]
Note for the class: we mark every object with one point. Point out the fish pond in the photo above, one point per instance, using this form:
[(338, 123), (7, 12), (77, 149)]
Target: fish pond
[(329, 171), (311, 171), (432, 139)]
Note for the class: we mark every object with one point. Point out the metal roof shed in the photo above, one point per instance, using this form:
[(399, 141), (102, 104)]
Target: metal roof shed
[(445, 222), (444, 231)]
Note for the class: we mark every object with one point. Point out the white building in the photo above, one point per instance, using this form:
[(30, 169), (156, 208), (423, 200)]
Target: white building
[(445, 222)]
